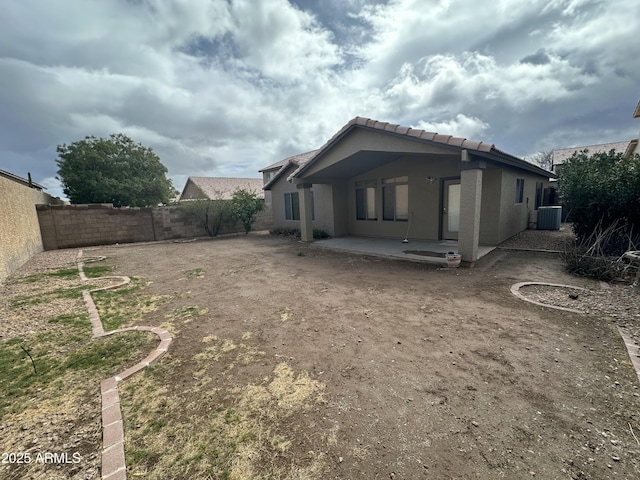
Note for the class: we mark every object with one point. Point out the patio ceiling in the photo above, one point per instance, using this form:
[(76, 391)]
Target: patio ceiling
[(364, 161)]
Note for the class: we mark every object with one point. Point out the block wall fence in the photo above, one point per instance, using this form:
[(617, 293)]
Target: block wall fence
[(19, 230), (70, 226)]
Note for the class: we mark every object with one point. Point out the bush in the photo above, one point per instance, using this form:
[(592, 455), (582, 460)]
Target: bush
[(602, 195), (213, 215), (244, 207), (318, 234), (587, 257)]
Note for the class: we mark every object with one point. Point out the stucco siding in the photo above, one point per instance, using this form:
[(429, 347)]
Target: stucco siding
[(514, 217), (424, 198), (19, 229), (490, 206), (323, 202)]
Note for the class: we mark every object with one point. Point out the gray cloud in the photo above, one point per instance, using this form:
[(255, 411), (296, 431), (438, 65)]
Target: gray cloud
[(225, 87)]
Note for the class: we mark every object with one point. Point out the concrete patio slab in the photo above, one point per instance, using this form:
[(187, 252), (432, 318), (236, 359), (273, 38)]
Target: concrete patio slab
[(430, 251)]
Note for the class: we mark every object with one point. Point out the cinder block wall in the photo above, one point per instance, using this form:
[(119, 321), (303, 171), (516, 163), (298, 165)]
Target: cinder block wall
[(19, 229), (100, 224), (68, 226)]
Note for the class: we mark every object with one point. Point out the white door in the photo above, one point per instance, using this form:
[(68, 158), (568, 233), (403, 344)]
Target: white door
[(450, 209)]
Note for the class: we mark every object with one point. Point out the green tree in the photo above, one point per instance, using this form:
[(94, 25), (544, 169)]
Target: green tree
[(244, 207), (114, 170), (213, 215), (602, 193)]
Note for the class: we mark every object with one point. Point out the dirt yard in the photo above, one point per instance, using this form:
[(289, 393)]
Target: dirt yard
[(291, 361)]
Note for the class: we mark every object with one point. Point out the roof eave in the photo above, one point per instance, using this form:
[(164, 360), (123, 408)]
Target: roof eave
[(488, 151)]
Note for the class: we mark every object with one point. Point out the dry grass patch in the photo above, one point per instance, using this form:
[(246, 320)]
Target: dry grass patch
[(224, 431)]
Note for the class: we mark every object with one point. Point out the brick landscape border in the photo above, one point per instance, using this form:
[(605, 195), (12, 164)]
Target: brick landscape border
[(113, 461)]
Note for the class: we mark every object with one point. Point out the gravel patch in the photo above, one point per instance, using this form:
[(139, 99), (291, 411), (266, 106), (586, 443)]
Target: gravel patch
[(554, 240), (617, 303)]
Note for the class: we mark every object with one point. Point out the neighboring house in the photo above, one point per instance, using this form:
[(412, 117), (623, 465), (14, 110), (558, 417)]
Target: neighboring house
[(377, 179), (27, 182), (626, 148), (277, 169), (561, 155), (219, 188)]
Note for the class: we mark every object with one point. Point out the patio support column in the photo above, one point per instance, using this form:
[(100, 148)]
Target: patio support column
[(470, 202), (306, 214)]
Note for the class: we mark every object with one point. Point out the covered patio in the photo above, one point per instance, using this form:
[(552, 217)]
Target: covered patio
[(430, 251)]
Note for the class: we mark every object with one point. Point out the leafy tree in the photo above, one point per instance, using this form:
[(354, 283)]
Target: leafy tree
[(212, 214), (602, 193), (244, 206), (114, 170)]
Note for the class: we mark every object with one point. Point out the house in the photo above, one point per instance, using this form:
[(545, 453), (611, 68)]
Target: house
[(561, 155), (277, 169), (219, 188), (626, 148), (381, 180)]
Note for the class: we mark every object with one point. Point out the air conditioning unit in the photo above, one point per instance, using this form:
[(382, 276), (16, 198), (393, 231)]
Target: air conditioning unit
[(549, 218)]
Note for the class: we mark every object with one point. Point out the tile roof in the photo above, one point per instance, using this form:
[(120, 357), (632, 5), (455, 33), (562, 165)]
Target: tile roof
[(223, 187), (457, 143), (283, 165), (560, 155)]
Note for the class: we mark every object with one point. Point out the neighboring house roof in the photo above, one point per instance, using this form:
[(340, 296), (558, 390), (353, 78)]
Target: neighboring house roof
[(283, 166), (448, 141), (560, 155), (222, 188), (636, 112), (23, 181)]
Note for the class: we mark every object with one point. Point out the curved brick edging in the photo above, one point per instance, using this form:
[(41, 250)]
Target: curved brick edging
[(113, 461), (633, 350)]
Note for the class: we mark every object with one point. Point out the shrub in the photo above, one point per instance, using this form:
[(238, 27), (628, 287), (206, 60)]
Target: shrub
[(602, 195), (586, 257), (288, 232), (245, 205), (213, 215)]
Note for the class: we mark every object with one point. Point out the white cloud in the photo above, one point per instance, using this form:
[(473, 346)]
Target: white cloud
[(460, 126)]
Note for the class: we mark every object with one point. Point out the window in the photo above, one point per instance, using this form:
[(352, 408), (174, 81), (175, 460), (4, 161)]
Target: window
[(292, 206), (366, 200), (395, 199), (539, 192), (519, 189)]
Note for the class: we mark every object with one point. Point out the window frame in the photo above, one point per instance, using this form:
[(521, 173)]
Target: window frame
[(291, 207), (366, 195), (390, 197), (519, 191)]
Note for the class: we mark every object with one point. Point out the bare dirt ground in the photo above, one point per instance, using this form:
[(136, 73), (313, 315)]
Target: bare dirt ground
[(343, 366)]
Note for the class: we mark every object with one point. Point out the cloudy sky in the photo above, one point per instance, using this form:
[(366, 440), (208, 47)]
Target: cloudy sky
[(226, 87)]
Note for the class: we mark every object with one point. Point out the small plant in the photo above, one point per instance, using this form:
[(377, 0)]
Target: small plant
[(301, 254), (285, 232), (320, 234)]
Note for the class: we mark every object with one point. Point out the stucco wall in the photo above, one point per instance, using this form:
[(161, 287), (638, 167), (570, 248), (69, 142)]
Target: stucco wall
[(515, 217), (19, 229), (424, 198), (100, 224), (322, 203)]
